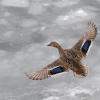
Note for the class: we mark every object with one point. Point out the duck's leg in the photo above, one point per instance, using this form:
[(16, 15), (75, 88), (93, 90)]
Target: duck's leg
[(80, 71), (76, 75)]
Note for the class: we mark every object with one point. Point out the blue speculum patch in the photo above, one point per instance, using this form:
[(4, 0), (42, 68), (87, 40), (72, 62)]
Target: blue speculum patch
[(57, 70), (86, 46)]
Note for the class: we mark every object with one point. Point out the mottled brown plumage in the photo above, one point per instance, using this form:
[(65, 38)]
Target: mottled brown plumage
[(69, 59)]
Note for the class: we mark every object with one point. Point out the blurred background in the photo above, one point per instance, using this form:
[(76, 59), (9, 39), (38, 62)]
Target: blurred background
[(26, 27)]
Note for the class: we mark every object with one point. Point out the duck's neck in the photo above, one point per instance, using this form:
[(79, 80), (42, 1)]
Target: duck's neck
[(61, 51)]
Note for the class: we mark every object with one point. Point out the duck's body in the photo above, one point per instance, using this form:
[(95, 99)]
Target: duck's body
[(69, 59), (75, 57)]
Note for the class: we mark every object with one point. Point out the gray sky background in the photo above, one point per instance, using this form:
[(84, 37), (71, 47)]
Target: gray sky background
[(26, 27)]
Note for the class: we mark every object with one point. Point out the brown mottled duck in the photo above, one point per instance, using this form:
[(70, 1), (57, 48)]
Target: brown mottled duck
[(69, 59)]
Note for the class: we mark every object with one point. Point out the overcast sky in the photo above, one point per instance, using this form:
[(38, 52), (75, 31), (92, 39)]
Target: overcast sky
[(26, 27)]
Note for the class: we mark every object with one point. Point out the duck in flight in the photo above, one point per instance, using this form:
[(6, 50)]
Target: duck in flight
[(69, 59)]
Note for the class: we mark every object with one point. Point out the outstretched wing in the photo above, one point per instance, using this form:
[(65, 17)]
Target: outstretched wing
[(85, 41), (51, 69)]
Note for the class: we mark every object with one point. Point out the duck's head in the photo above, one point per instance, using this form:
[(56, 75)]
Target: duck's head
[(53, 44)]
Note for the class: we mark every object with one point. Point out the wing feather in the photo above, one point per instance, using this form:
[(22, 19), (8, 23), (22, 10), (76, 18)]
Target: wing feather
[(45, 72), (90, 34), (53, 64)]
